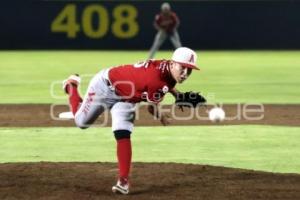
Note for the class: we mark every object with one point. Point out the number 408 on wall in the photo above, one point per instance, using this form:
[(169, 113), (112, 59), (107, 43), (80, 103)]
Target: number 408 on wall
[(123, 25)]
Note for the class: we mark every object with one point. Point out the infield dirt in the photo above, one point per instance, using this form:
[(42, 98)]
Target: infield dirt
[(39, 115), (157, 181), (150, 181)]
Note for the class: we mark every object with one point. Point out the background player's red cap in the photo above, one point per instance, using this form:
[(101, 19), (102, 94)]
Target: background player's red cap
[(186, 57)]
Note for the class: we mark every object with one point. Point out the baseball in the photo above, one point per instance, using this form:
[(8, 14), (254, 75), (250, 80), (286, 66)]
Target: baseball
[(216, 114)]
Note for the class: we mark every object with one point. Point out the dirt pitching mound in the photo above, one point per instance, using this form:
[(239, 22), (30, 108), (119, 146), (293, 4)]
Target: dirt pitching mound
[(149, 181), (45, 115)]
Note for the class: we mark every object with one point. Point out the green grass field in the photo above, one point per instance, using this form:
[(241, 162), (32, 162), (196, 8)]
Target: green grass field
[(230, 77), (253, 147), (225, 77)]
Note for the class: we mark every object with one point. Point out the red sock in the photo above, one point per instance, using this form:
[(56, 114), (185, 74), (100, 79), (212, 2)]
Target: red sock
[(74, 98), (124, 157)]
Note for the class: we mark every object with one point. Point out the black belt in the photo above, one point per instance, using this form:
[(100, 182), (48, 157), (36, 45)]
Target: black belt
[(107, 82)]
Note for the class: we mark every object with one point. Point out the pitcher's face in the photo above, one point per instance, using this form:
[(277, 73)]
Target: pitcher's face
[(179, 72)]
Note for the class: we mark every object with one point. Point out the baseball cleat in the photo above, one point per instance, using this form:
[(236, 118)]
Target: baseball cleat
[(73, 80), (122, 187)]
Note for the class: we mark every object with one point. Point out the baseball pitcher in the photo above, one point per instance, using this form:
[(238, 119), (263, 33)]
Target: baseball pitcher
[(118, 89)]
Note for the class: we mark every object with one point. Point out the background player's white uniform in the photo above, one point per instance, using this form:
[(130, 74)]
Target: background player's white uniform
[(166, 23)]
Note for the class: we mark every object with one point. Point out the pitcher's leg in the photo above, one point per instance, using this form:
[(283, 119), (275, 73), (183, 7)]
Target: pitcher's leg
[(89, 110), (124, 154), (159, 39), (122, 125), (91, 107), (70, 86)]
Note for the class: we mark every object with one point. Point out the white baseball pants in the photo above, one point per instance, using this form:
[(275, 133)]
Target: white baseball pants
[(160, 37), (101, 96)]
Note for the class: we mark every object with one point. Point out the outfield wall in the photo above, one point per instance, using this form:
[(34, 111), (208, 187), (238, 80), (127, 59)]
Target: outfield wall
[(53, 24)]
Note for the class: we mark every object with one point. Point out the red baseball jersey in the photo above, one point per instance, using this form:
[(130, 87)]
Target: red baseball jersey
[(145, 81), (167, 23)]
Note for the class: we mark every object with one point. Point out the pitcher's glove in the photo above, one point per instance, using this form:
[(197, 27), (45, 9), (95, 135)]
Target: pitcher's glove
[(189, 99)]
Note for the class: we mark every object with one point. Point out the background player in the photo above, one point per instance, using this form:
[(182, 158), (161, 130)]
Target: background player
[(166, 24), (118, 89)]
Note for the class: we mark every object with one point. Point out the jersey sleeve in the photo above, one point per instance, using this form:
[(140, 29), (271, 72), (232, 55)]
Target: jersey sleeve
[(157, 20), (154, 95), (175, 17)]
